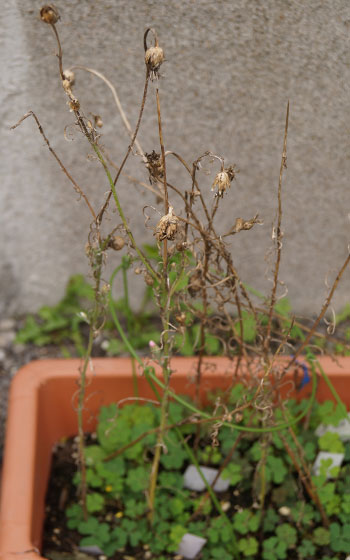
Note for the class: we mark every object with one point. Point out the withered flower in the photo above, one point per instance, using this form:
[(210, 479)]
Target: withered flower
[(98, 121), (195, 283), (167, 226), (74, 105), (153, 58), (49, 14), (155, 167), (222, 181), (69, 76), (181, 318), (148, 279)]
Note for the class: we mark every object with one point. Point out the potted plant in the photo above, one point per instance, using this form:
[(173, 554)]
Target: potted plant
[(202, 301)]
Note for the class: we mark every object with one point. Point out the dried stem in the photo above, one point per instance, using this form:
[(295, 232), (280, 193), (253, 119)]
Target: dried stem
[(278, 236), (64, 169)]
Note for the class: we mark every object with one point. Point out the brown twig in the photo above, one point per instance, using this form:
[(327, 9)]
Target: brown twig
[(64, 169), (278, 236)]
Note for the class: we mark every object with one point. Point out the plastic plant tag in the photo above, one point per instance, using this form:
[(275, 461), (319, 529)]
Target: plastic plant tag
[(190, 546), (193, 480), (336, 458), (343, 429)]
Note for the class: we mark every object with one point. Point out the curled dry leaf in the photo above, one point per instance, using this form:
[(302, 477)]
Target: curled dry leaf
[(245, 224)]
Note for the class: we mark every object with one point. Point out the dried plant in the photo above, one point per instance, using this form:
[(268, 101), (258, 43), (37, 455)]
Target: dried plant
[(195, 280)]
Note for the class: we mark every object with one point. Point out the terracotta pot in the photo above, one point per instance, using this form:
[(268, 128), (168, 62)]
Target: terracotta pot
[(41, 411)]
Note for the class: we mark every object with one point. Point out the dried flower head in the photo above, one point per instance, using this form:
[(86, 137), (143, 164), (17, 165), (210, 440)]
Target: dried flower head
[(69, 76), (116, 242), (153, 58), (167, 226), (155, 167), (74, 104), (181, 318), (148, 279), (49, 14), (222, 181), (195, 283), (98, 121)]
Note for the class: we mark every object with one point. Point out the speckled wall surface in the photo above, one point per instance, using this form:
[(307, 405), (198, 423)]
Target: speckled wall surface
[(230, 68)]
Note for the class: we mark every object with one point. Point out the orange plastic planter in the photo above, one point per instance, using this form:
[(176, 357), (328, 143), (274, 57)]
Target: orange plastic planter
[(42, 410)]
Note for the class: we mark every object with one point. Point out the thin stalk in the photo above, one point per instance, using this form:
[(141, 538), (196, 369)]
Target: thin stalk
[(307, 482), (80, 408), (322, 313), (82, 380), (122, 216), (118, 104), (165, 302), (312, 488), (143, 102), (278, 236), (209, 489), (331, 387), (77, 188), (220, 469)]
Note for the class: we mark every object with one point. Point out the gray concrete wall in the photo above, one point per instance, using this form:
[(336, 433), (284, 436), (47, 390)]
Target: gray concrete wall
[(231, 66)]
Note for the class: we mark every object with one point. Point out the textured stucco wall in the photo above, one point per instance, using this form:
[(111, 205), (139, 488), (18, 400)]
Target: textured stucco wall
[(231, 66)]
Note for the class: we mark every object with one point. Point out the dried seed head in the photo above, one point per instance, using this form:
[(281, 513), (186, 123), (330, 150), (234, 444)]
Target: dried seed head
[(231, 172), (222, 181), (106, 288), (181, 318), (117, 243), (238, 417), (137, 270), (148, 279), (98, 121), (49, 14), (195, 283), (153, 58), (155, 167), (74, 105), (167, 226), (181, 246), (69, 76)]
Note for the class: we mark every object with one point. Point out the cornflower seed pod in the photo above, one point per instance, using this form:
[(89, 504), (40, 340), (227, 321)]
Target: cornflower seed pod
[(167, 226), (153, 58), (155, 167), (117, 243), (222, 181), (148, 279), (69, 76), (49, 14), (98, 121)]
